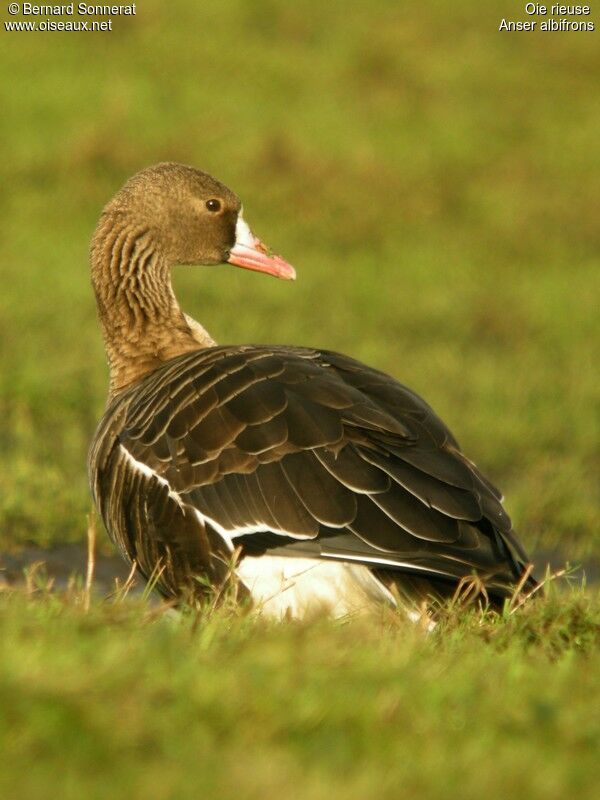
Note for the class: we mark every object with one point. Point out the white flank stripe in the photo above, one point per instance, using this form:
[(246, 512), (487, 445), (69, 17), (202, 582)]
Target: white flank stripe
[(387, 562), (229, 535), (150, 473)]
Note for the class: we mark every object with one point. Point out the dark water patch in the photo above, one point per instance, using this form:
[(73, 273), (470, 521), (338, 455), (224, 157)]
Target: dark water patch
[(63, 565)]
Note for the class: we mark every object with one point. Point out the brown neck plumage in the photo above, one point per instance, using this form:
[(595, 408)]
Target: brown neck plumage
[(142, 323)]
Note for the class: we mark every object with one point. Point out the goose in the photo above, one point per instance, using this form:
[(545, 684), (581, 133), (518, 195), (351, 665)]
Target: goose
[(312, 481)]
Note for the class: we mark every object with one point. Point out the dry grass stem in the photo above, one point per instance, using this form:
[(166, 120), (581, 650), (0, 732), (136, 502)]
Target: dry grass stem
[(91, 559), (526, 597)]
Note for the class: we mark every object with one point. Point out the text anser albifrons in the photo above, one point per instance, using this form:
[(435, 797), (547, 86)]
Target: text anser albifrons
[(336, 486)]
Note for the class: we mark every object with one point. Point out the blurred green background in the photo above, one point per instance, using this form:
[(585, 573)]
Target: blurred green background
[(433, 181)]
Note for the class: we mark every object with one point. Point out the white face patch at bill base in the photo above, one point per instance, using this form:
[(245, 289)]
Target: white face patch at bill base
[(243, 234)]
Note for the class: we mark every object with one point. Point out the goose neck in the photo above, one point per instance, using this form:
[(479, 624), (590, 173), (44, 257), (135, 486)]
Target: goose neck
[(142, 323)]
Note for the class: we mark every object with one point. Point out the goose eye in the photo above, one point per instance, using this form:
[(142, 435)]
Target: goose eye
[(213, 205)]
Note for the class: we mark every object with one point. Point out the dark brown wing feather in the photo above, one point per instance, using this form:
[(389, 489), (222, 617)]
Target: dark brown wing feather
[(296, 452)]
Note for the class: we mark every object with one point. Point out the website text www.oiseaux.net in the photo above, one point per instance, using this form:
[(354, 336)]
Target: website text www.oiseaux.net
[(77, 10)]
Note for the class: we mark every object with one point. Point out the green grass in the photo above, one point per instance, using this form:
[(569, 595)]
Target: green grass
[(124, 701), (431, 179), (435, 183)]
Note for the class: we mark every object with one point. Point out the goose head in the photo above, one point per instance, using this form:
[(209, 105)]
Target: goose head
[(194, 219)]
